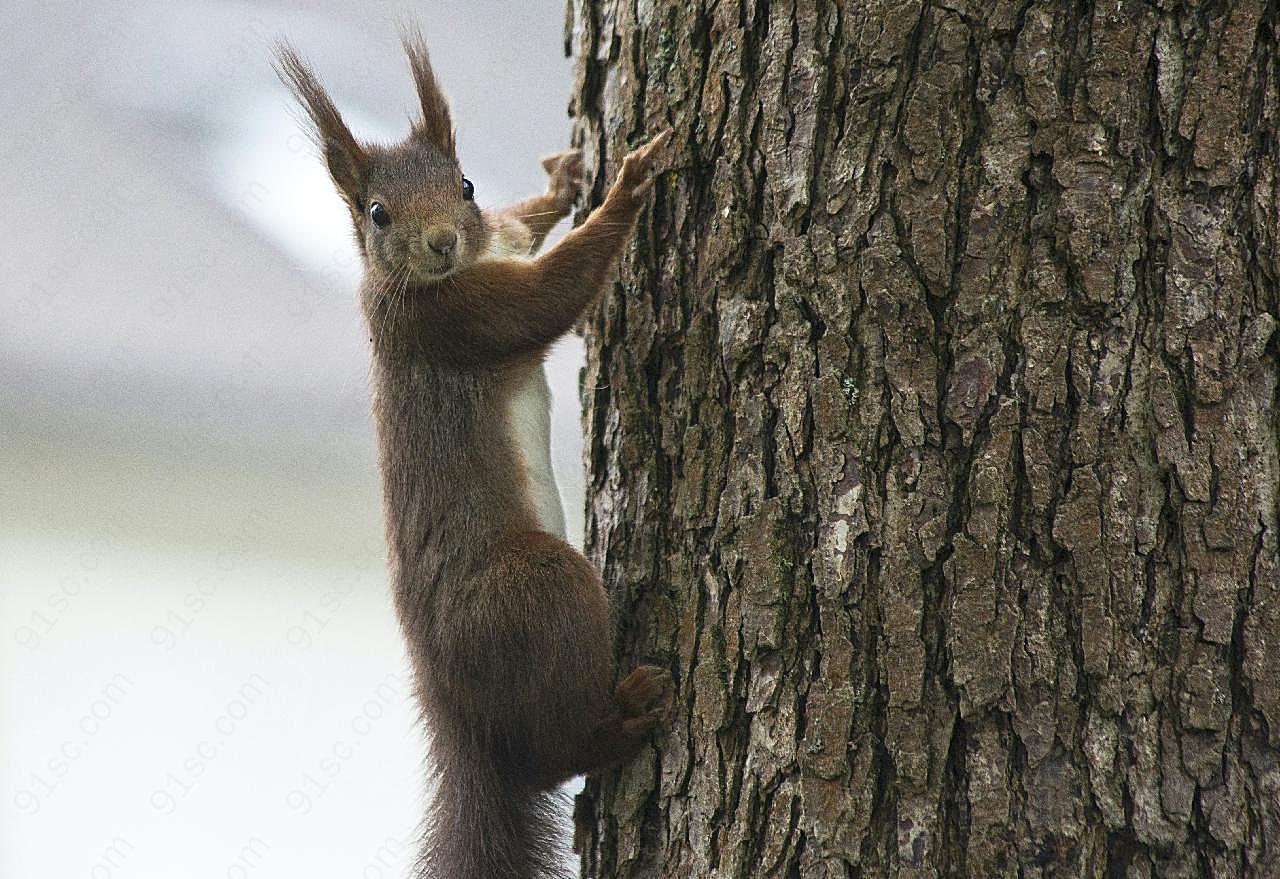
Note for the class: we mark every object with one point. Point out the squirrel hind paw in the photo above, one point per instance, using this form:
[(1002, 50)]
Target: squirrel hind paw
[(647, 691)]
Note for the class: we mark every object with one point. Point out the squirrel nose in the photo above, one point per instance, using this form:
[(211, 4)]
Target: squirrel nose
[(441, 240)]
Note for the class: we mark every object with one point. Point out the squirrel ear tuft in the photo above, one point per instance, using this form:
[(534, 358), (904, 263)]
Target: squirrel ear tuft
[(437, 122), (346, 159)]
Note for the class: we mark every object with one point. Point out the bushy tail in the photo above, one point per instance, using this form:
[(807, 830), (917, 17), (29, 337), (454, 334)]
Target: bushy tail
[(484, 826)]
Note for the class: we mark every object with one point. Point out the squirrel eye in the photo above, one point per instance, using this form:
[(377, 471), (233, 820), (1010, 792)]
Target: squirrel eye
[(379, 214), (468, 189)]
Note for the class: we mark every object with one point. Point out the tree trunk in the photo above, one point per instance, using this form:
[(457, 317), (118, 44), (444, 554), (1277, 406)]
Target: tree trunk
[(933, 435)]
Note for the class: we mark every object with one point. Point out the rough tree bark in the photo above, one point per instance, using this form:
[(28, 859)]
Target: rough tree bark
[(934, 437)]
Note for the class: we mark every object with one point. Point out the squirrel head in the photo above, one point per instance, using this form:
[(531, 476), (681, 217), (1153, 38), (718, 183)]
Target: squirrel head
[(412, 210)]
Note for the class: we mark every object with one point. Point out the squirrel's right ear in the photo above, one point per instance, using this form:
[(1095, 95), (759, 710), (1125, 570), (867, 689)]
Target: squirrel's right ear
[(347, 160)]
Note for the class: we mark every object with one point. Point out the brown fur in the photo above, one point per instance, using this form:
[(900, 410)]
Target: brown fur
[(507, 626)]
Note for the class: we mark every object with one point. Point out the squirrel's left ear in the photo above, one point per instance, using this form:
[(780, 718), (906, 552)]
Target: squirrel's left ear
[(437, 122)]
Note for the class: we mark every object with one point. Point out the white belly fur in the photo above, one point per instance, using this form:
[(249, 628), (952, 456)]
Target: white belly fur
[(529, 414), (529, 410)]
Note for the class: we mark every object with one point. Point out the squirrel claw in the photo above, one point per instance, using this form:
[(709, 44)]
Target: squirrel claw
[(646, 693), (552, 163), (637, 166), (565, 173)]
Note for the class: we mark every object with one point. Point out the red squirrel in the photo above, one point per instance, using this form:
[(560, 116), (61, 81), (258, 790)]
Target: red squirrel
[(507, 626)]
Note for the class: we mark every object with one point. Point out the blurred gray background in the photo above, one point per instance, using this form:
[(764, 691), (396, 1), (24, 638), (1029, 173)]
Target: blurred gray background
[(200, 672)]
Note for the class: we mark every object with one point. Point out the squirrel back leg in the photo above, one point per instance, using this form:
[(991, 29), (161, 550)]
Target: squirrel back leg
[(524, 673), (642, 704)]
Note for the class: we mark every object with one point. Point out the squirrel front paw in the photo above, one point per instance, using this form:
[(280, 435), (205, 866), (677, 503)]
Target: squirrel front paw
[(636, 176), (564, 177)]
